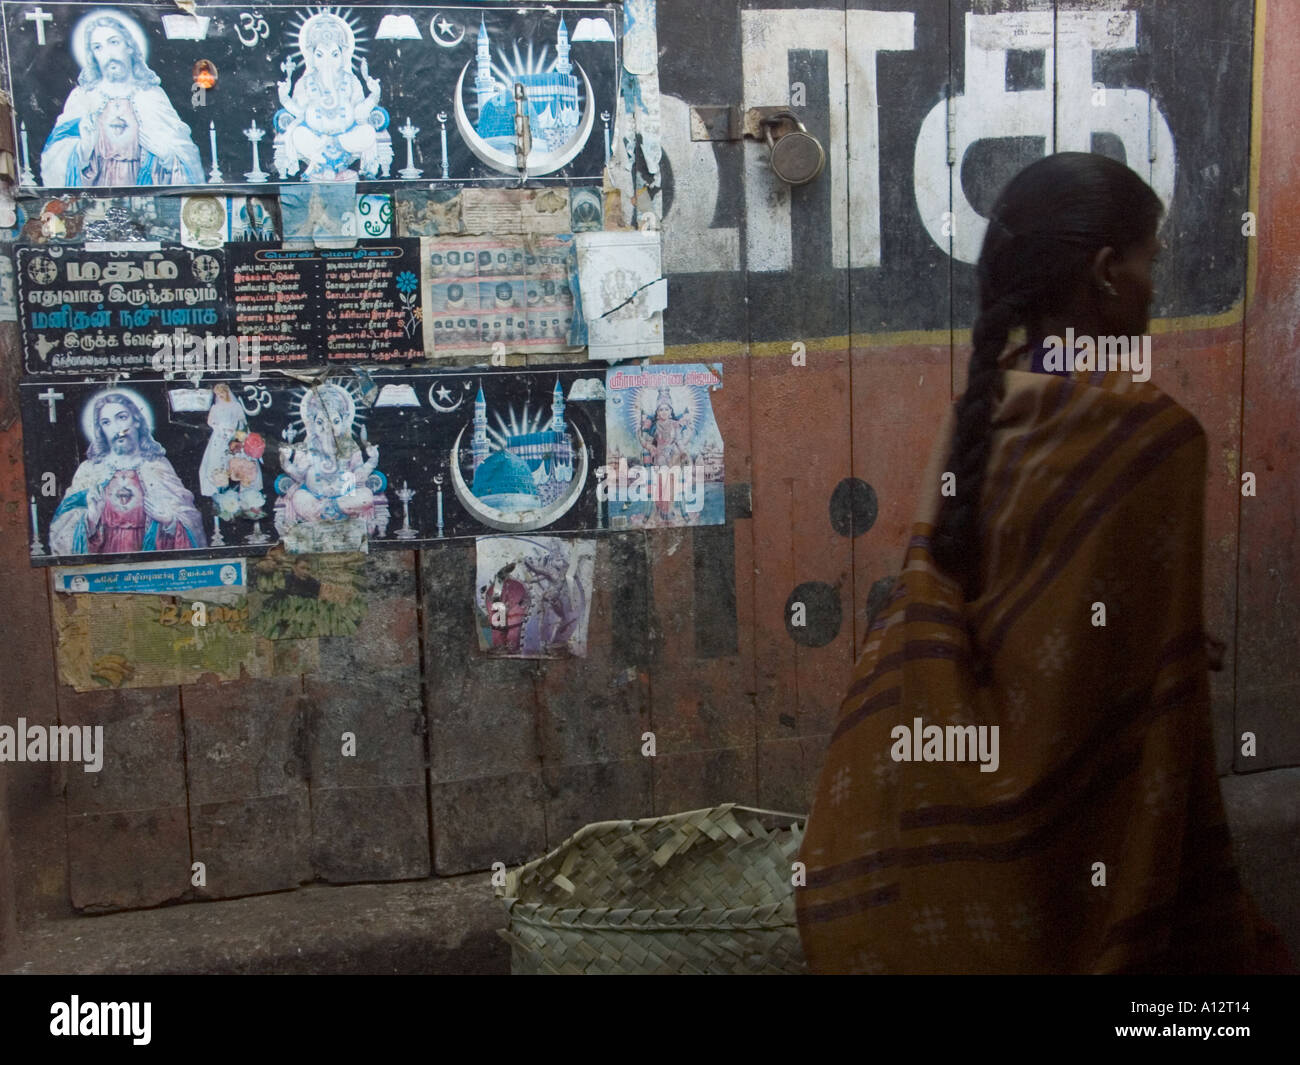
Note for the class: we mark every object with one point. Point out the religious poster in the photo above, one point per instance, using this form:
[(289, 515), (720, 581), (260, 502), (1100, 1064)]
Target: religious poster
[(163, 469), (533, 596), (486, 295), (139, 94), (450, 454), (523, 456), (203, 221), (331, 495), (110, 474), (254, 218), (104, 311), (664, 452)]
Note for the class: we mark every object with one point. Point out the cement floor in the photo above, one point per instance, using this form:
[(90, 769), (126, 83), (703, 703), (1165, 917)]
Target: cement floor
[(427, 926), (448, 925)]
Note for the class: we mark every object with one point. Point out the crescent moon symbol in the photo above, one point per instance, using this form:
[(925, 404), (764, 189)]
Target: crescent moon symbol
[(433, 32), (529, 520), (437, 406), (545, 163)]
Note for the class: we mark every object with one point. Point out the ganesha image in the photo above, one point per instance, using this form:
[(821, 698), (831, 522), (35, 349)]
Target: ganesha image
[(331, 492)]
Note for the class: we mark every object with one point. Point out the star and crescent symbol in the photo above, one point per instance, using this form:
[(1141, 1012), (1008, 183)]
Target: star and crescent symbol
[(441, 397), (445, 32)]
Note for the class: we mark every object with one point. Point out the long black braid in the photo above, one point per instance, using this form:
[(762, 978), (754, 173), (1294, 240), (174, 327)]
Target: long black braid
[(1045, 229)]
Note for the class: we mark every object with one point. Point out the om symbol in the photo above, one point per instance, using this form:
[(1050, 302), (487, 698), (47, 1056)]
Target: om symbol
[(255, 25), (258, 397)]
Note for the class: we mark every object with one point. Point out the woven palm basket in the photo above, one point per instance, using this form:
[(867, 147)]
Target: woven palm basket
[(706, 891)]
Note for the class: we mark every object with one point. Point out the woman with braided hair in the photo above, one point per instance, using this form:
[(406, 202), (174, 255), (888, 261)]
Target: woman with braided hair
[(1021, 778)]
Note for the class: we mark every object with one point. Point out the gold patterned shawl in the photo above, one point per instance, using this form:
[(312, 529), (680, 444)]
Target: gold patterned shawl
[(1099, 844)]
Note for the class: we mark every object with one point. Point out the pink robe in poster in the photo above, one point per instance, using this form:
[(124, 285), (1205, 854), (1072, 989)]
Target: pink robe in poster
[(115, 507), (514, 596)]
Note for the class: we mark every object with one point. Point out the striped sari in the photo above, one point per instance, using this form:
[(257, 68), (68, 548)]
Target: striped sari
[(1099, 844)]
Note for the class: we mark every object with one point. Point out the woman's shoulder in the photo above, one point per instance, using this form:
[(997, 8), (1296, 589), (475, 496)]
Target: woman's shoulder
[(1125, 392), (1097, 426), (1107, 394), (1111, 380)]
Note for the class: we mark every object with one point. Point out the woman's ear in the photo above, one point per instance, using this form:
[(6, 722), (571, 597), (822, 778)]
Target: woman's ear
[(1103, 265)]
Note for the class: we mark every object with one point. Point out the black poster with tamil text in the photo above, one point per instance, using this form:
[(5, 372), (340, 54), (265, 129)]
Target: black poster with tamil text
[(316, 305), (181, 310), (104, 311)]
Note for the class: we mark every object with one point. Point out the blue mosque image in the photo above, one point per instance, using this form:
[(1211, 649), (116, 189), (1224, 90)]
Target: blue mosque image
[(531, 470), (554, 114)]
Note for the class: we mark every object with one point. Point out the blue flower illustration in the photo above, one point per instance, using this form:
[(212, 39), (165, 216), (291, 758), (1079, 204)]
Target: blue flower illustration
[(407, 281)]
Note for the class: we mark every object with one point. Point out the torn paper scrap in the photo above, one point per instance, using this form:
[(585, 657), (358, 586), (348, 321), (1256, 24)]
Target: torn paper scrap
[(533, 596), (640, 39), (624, 293), (320, 212), (152, 641)]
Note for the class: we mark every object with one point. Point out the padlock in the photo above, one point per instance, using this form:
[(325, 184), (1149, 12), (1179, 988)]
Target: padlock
[(798, 157)]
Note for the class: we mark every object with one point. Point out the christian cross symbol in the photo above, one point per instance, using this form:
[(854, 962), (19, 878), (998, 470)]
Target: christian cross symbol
[(40, 18), (51, 397)]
